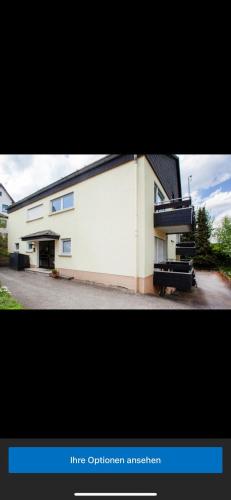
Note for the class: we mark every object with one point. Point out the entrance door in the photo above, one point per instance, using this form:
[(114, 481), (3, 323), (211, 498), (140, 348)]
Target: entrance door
[(47, 254)]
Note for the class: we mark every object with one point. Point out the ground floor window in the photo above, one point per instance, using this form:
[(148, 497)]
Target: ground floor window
[(66, 246), (160, 250), (29, 247)]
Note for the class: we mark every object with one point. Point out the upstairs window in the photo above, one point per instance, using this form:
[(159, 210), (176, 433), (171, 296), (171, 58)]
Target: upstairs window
[(68, 201), (4, 208), (158, 195), (0, 193), (62, 203), (56, 205), (17, 247), (35, 212)]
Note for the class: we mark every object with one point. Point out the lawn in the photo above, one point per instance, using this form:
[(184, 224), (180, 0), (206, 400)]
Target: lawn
[(7, 301)]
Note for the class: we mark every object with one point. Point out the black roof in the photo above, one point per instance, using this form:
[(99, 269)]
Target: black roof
[(107, 163), (41, 234)]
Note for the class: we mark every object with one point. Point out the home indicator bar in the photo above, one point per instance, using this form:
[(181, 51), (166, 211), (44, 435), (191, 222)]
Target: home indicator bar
[(115, 494)]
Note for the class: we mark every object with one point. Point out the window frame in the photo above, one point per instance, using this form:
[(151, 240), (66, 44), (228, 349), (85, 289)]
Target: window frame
[(66, 254), (4, 205), (161, 247), (28, 250), (33, 208), (61, 198), (158, 193)]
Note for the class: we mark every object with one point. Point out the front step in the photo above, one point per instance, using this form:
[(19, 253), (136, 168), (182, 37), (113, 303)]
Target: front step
[(43, 272)]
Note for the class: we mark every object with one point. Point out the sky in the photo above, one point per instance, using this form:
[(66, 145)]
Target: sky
[(210, 185)]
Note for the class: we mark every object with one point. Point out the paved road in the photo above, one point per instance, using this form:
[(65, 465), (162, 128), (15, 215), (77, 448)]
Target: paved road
[(40, 292)]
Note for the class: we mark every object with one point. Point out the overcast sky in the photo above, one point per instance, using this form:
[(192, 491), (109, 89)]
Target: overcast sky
[(210, 185)]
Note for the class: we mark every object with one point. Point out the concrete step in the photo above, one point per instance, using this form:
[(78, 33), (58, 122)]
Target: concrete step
[(43, 272)]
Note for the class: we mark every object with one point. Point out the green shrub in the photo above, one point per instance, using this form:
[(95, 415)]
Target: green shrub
[(205, 262), (4, 252), (222, 258), (7, 301)]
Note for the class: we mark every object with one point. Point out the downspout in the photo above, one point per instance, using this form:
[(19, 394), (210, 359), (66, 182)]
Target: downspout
[(137, 224)]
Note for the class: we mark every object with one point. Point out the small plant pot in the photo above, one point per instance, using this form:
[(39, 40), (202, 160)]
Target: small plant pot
[(55, 275)]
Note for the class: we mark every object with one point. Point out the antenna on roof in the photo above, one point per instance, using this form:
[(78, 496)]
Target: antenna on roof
[(189, 180)]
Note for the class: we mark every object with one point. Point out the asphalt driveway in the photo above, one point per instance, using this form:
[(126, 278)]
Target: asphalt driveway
[(35, 291)]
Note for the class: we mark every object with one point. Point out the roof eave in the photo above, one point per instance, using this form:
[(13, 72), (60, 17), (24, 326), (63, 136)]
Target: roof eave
[(96, 168)]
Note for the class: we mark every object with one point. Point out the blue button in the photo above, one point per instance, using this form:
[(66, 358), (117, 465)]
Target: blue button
[(160, 460)]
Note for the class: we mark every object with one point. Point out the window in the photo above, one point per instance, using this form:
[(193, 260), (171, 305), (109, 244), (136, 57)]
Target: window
[(0, 193), (158, 195), (4, 208), (66, 247), (29, 246), (62, 203), (35, 212), (160, 250), (56, 205), (16, 246), (68, 201)]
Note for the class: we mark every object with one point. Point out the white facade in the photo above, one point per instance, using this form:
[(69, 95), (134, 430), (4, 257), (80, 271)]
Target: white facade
[(107, 235)]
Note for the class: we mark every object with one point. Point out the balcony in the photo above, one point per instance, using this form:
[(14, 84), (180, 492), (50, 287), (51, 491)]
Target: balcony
[(174, 274), (175, 216), (186, 249), (183, 266)]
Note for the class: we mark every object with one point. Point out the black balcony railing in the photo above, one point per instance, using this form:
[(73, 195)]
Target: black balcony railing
[(183, 266), (186, 249), (176, 274), (186, 244), (175, 216), (175, 204)]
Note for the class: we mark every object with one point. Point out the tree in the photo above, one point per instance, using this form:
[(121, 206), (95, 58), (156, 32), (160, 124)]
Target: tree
[(204, 228), (223, 235), (191, 236), (3, 245)]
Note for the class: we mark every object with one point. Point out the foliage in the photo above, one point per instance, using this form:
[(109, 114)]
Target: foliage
[(226, 271), (223, 235), (204, 228), (223, 259), (205, 262), (3, 223), (7, 301), (3, 246)]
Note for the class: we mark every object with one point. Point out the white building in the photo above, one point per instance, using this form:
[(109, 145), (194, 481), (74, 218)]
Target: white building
[(107, 223)]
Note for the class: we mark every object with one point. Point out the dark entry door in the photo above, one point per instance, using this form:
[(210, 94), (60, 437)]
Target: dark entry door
[(47, 254)]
